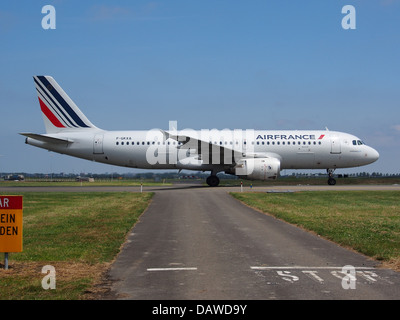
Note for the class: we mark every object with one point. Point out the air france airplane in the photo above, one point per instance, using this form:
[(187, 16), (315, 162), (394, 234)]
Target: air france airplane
[(252, 154)]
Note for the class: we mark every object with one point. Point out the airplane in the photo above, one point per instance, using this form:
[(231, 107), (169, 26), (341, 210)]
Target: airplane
[(251, 154)]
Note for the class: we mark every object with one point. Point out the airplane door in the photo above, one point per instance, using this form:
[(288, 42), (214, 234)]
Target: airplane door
[(98, 144), (335, 145)]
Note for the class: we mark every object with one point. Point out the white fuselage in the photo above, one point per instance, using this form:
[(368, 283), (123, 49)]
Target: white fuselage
[(295, 149)]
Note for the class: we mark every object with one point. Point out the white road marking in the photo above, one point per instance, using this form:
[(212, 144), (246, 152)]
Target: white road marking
[(171, 269), (313, 275), (368, 273), (287, 276), (307, 268)]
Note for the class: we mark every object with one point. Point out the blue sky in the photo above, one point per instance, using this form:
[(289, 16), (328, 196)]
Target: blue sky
[(207, 64)]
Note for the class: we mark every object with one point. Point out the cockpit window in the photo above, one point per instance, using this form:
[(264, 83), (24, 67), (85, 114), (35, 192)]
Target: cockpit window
[(358, 142)]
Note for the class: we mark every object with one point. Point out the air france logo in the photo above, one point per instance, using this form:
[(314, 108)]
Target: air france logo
[(288, 137)]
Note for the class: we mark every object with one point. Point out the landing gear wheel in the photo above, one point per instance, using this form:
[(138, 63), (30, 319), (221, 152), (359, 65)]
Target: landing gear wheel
[(213, 181), (331, 181)]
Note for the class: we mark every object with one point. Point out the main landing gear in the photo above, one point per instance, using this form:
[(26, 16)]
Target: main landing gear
[(213, 181), (331, 180)]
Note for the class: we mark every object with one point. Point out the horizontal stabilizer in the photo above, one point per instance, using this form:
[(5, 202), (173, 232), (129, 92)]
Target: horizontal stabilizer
[(47, 139)]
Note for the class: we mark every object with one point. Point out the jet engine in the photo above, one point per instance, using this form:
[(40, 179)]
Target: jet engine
[(258, 168)]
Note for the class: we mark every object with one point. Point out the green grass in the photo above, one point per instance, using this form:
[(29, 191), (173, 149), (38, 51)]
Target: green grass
[(292, 181), (96, 183), (78, 233), (367, 221)]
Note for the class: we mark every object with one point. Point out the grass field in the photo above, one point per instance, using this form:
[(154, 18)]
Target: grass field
[(292, 181), (288, 180), (77, 233), (368, 222), (69, 183)]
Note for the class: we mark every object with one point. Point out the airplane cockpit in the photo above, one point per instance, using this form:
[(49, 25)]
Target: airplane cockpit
[(358, 142)]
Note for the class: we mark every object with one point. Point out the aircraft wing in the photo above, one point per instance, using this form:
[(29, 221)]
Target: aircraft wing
[(205, 149), (227, 154), (46, 138)]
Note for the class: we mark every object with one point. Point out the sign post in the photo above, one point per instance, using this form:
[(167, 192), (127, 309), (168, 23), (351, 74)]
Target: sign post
[(10, 225), (6, 260)]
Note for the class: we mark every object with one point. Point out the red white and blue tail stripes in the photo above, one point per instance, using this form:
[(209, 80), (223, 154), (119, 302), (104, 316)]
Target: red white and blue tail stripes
[(60, 111)]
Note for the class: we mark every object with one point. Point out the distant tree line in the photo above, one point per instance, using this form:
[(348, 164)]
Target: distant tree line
[(158, 176)]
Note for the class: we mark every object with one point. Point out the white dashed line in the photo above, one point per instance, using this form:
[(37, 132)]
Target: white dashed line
[(171, 269)]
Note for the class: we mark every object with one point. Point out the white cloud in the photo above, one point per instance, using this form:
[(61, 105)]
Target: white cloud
[(396, 127)]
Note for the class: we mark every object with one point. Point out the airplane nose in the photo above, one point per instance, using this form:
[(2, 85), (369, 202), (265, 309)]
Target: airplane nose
[(373, 155)]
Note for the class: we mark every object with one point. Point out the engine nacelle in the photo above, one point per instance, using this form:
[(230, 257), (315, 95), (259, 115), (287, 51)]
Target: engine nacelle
[(258, 168)]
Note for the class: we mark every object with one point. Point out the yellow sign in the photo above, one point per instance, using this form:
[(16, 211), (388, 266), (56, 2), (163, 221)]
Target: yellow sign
[(10, 223)]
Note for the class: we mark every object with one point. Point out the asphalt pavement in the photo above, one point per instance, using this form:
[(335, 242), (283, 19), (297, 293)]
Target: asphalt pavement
[(200, 243)]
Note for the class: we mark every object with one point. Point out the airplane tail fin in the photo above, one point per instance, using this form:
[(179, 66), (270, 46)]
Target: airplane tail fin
[(60, 113)]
